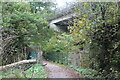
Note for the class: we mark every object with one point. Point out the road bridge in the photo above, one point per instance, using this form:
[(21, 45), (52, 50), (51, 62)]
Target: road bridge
[(64, 18), (61, 24)]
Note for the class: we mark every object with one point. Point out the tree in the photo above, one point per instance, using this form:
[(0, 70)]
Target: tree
[(102, 19), (30, 28)]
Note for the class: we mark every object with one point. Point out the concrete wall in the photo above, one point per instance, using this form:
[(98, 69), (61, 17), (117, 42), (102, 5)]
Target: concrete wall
[(60, 20), (56, 28)]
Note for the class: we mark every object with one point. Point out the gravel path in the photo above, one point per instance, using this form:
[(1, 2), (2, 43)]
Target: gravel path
[(58, 71)]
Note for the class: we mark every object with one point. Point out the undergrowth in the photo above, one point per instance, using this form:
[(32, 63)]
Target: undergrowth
[(36, 71), (88, 73)]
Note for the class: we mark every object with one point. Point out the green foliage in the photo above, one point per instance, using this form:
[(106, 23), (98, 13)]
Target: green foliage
[(57, 57), (88, 73), (10, 73), (27, 23), (95, 31), (31, 28), (36, 71), (61, 43), (59, 48), (101, 30), (79, 31)]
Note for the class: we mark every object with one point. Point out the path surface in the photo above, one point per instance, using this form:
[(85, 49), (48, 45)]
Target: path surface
[(58, 71)]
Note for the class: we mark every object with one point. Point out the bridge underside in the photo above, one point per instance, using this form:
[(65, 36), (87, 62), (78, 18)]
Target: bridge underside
[(61, 24)]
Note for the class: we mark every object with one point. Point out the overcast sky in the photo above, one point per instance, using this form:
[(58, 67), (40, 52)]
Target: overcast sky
[(62, 3)]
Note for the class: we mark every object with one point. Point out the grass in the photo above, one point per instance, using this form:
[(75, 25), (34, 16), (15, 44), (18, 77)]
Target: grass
[(95, 75), (36, 71), (88, 73), (10, 73)]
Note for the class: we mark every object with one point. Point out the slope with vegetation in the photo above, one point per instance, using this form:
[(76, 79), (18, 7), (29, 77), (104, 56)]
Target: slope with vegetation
[(24, 25), (94, 37)]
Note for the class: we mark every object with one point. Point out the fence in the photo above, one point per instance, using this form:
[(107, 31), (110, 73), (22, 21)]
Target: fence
[(78, 60)]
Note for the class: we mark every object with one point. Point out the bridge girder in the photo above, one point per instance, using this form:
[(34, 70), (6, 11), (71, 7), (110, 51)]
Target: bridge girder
[(60, 24)]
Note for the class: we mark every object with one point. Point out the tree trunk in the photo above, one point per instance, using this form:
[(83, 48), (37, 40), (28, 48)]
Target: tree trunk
[(20, 64), (39, 57)]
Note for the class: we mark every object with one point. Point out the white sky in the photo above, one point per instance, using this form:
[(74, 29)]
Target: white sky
[(61, 3)]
